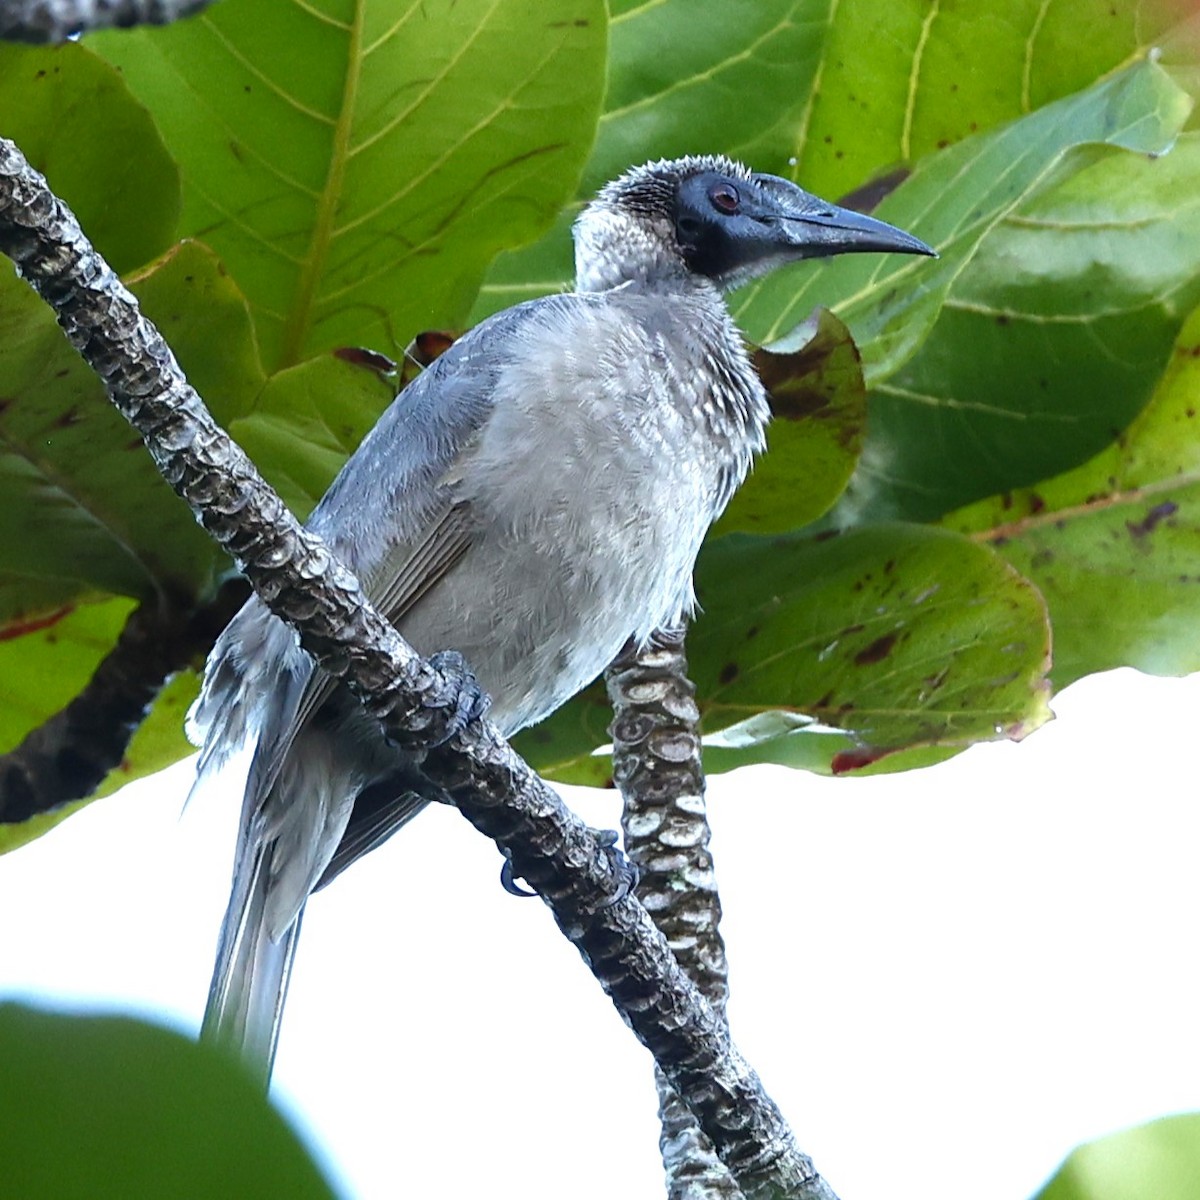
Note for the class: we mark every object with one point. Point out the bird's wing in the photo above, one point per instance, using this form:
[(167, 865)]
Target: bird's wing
[(394, 586), (392, 515)]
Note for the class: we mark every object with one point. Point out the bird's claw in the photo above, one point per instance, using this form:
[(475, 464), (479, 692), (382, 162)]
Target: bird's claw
[(508, 881), (626, 871), (624, 868), (470, 700)]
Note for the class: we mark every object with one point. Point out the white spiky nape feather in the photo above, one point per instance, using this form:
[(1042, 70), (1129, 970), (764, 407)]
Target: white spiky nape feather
[(628, 229)]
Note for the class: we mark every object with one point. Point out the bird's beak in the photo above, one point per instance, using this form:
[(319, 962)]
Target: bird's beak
[(813, 228)]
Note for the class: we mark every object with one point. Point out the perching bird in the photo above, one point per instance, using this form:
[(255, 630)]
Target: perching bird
[(533, 500)]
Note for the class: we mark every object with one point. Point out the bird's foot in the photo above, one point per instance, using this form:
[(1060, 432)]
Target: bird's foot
[(469, 699), (625, 868), (626, 871)]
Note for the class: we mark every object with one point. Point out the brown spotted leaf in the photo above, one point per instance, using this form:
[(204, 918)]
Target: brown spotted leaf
[(900, 635), (1114, 545)]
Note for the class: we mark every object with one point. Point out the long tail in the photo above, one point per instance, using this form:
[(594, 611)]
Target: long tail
[(249, 984)]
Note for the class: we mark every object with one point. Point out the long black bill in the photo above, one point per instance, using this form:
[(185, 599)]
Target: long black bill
[(843, 231), (814, 228)]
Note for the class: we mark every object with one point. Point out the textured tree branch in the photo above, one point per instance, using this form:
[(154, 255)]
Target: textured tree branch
[(657, 766), (297, 577), (67, 757), (58, 20)]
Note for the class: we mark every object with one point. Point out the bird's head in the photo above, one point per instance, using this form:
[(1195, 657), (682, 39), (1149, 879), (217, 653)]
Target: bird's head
[(709, 216)]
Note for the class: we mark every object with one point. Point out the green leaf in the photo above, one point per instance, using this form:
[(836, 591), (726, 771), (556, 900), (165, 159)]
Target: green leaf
[(113, 1107), (85, 515), (307, 422), (953, 200), (76, 122), (82, 507), (819, 411), (899, 635), (902, 80), (1049, 344), (357, 166), (198, 308), (1114, 545), (45, 660), (1157, 1161)]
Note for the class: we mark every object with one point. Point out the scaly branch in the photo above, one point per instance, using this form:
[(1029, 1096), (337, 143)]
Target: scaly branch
[(657, 766), (58, 20)]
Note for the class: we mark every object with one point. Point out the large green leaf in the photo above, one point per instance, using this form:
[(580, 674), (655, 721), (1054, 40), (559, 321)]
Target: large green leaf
[(1114, 545), (898, 634), (1157, 1161), (357, 165), (75, 121), (203, 315), (1049, 344), (82, 507), (902, 80), (84, 514), (103, 1106)]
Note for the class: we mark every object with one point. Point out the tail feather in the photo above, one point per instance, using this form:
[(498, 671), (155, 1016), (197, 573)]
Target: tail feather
[(249, 984)]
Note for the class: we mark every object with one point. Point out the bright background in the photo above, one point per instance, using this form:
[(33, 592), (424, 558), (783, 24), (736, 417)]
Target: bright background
[(946, 979)]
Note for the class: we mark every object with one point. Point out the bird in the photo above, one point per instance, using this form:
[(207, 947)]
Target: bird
[(533, 501)]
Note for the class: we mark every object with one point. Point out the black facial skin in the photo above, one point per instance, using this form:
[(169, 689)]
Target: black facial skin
[(711, 222)]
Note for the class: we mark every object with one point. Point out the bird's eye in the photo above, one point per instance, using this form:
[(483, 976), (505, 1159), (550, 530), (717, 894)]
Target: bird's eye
[(724, 197)]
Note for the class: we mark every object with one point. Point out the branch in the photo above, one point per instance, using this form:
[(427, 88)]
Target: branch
[(67, 757), (296, 576), (657, 765), (59, 20)]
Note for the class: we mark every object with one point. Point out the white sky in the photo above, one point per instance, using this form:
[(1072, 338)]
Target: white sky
[(946, 979)]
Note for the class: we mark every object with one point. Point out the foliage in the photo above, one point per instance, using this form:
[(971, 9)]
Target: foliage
[(1157, 1161), (77, 1086), (1002, 452)]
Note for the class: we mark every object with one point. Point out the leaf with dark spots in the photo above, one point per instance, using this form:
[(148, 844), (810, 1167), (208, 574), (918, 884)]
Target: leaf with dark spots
[(20, 626), (1146, 525), (855, 760), (818, 402), (877, 651), (946, 646), (729, 672), (100, 150), (364, 214), (1114, 543)]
